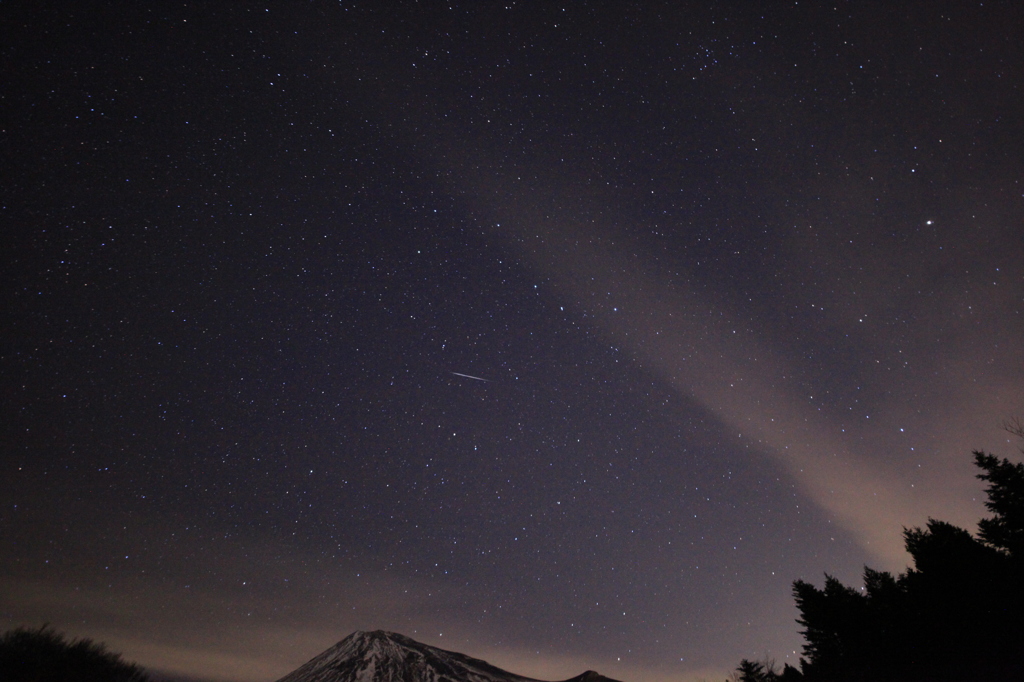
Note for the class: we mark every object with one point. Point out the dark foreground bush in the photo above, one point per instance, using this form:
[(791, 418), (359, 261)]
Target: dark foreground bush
[(44, 655)]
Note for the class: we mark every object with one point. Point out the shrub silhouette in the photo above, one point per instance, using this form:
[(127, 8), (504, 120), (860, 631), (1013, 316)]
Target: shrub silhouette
[(44, 655)]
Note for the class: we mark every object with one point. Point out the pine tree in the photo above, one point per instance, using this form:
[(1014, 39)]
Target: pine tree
[(1005, 493), (956, 614)]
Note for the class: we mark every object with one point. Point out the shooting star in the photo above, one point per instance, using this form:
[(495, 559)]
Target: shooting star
[(468, 376)]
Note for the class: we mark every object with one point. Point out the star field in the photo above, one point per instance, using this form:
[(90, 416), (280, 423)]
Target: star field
[(563, 335)]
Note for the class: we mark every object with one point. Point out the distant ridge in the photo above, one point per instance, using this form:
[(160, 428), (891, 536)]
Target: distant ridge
[(381, 656)]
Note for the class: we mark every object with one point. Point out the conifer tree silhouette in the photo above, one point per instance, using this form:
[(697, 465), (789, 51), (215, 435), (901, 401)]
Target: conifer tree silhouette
[(957, 614)]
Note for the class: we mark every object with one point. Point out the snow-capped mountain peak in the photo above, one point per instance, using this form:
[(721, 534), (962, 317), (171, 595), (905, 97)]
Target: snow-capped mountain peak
[(381, 656)]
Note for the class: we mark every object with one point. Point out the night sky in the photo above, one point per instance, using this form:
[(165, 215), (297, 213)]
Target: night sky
[(565, 335)]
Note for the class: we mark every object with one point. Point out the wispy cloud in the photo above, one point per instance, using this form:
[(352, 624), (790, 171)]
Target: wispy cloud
[(864, 473)]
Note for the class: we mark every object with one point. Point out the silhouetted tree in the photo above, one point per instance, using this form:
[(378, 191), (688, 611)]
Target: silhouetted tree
[(1005, 493), (956, 614), (751, 671), (790, 674), (835, 620), (44, 655), (765, 671)]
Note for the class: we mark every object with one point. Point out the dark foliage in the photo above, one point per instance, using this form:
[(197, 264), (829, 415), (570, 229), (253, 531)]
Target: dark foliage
[(751, 671), (756, 671), (44, 655), (1005, 492), (957, 615)]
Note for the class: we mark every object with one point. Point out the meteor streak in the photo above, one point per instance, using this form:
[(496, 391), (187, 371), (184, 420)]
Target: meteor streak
[(468, 376)]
